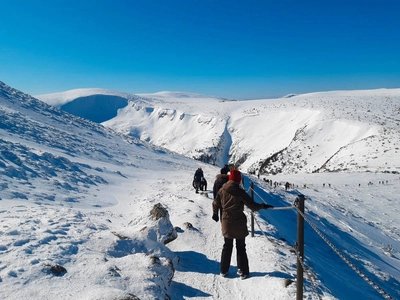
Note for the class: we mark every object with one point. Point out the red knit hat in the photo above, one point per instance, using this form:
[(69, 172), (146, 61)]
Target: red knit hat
[(235, 175)]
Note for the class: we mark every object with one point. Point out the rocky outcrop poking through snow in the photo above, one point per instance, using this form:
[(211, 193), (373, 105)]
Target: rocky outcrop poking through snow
[(147, 248), (162, 226)]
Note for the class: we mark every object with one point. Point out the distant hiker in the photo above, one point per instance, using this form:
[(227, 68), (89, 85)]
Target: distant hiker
[(198, 175), (203, 184), (287, 185), (231, 199)]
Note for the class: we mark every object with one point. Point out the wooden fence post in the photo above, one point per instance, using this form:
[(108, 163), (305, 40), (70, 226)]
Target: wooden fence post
[(300, 246), (252, 215)]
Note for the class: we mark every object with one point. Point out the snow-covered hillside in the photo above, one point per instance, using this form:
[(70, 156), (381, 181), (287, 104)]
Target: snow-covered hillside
[(354, 131), (77, 195), (76, 223)]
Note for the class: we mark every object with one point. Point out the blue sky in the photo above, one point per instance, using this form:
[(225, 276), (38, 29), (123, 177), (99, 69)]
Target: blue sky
[(237, 49)]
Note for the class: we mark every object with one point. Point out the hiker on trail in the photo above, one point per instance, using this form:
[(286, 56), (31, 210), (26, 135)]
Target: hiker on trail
[(231, 199), (220, 180), (287, 185), (198, 175), (203, 184)]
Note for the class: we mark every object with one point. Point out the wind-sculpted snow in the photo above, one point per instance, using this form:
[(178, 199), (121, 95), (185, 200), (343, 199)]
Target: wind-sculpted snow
[(48, 237), (56, 170), (40, 143)]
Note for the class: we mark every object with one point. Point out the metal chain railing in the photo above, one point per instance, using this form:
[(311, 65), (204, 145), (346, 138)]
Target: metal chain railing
[(346, 260), (336, 250), (314, 285), (262, 231), (275, 208)]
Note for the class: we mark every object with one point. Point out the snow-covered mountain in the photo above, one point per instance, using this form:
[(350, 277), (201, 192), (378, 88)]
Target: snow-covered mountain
[(77, 200), (354, 131), (64, 183)]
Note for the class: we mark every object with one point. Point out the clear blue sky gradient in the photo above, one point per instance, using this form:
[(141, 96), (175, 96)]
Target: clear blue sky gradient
[(235, 49)]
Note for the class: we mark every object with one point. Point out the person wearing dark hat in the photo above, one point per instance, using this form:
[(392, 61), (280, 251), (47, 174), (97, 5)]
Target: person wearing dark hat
[(225, 169), (231, 198)]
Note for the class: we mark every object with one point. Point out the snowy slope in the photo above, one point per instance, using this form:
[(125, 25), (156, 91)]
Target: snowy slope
[(306, 133), (74, 219), (86, 206), (319, 132), (62, 98)]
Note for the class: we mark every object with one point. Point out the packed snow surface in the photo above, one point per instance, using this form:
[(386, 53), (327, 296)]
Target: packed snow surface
[(76, 199)]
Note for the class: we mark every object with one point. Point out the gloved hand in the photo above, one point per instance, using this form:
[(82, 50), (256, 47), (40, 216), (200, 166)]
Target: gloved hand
[(266, 206), (215, 217)]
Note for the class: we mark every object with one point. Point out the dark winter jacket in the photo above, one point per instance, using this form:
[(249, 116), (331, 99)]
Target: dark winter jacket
[(232, 199), (219, 182), (198, 175)]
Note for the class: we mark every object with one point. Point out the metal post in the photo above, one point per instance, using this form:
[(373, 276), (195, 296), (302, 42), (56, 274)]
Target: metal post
[(252, 215), (300, 246)]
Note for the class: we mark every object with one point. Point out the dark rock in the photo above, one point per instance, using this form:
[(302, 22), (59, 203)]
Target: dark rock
[(56, 270), (159, 212)]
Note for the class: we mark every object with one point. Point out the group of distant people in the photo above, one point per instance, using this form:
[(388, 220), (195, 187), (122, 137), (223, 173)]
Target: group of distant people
[(276, 184), (228, 206), (292, 185), (199, 182)]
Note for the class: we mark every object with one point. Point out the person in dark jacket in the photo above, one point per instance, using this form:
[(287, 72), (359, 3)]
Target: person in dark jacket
[(198, 175), (220, 180), (232, 199), (203, 184)]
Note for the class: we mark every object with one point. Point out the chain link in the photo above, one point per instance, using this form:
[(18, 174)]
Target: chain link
[(259, 227), (314, 284), (275, 208), (341, 255), (346, 260), (301, 261)]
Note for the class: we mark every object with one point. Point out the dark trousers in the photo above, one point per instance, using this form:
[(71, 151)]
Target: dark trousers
[(197, 185), (241, 256)]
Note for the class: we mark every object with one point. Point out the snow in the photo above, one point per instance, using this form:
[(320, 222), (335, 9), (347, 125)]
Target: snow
[(78, 195), (59, 99)]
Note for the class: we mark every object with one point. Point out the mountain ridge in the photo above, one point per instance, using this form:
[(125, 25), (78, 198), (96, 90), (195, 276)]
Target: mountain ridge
[(77, 195), (329, 123)]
